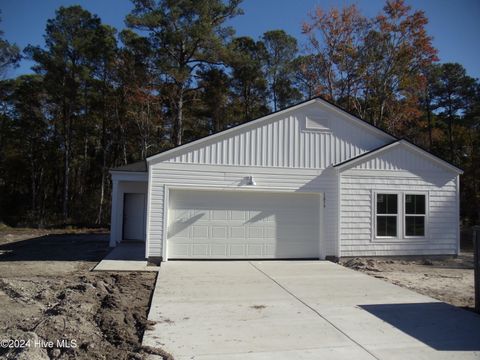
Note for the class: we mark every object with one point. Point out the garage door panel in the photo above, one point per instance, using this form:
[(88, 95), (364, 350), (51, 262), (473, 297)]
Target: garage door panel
[(255, 232), (237, 250), (219, 250), (255, 250), (179, 250), (204, 224), (237, 232), (200, 249), (238, 215), (219, 232), (200, 231)]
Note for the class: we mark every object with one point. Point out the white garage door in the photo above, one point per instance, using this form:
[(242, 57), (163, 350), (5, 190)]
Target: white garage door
[(225, 224)]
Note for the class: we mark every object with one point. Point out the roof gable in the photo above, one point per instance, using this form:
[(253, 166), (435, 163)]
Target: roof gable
[(398, 155), (312, 134)]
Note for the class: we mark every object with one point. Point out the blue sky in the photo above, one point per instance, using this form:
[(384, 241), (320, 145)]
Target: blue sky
[(454, 24)]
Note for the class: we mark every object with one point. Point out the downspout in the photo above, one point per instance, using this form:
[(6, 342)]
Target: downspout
[(339, 212)]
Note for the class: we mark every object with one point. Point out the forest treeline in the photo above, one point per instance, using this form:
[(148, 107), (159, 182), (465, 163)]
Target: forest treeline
[(101, 97)]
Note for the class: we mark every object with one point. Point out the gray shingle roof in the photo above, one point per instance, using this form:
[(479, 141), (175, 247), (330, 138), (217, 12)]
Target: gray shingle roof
[(139, 166)]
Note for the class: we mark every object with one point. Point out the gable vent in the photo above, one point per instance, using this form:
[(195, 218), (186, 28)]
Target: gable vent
[(317, 122)]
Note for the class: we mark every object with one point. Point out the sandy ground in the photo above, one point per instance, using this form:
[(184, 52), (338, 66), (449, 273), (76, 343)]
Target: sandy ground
[(449, 279), (48, 293)]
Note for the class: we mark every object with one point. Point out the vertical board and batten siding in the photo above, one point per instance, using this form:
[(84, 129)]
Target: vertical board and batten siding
[(290, 151), (400, 170), (286, 141)]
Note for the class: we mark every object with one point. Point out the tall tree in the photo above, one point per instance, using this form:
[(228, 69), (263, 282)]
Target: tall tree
[(395, 53), (184, 35), (372, 66), (335, 39), (30, 130), (137, 108), (249, 85), (67, 64), (307, 75), (280, 51), (215, 99), (469, 157), (426, 98), (9, 54), (454, 92), (102, 99)]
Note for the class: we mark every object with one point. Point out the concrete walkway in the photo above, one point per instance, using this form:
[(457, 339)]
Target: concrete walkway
[(127, 256), (300, 310)]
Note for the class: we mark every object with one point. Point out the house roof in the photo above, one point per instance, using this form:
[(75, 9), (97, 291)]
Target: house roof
[(139, 166), (268, 116), (387, 147)]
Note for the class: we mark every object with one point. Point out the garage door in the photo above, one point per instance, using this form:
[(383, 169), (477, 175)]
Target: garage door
[(242, 225)]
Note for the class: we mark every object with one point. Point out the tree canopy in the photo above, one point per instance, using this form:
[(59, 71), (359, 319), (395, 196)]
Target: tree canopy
[(102, 97)]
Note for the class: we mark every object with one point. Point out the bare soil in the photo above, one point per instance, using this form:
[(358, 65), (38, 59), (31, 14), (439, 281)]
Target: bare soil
[(450, 280), (49, 293)]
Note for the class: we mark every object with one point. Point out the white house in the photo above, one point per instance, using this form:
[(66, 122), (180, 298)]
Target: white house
[(310, 181)]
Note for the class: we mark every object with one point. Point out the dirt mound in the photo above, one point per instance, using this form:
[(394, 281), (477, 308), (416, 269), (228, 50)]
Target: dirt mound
[(49, 296), (361, 264), (101, 313), (95, 313)]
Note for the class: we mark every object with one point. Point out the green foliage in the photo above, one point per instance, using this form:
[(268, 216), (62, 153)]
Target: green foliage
[(183, 36), (100, 99), (279, 54), (9, 55)]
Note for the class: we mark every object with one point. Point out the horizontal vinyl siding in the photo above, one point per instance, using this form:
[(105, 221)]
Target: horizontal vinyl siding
[(357, 227), (155, 219), (227, 178)]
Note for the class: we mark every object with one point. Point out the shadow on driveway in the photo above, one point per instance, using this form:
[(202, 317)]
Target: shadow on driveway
[(56, 247), (436, 324)]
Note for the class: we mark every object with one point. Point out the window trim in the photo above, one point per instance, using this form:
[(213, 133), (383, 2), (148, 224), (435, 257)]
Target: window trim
[(427, 201), (401, 237), (397, 215)]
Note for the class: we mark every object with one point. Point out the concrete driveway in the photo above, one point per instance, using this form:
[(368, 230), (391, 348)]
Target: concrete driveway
[(302, 310)]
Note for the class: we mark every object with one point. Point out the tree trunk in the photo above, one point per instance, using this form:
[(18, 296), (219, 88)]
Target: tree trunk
[(179, 120), (102, 195), (66, 161), (450, 133), (274, 93), (34, 187), (429, 120), (104, 167), (66, 178), (450, 137)]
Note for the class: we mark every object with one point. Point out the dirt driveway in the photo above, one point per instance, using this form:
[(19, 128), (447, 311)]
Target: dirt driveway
[(300, 310), (48, 293)]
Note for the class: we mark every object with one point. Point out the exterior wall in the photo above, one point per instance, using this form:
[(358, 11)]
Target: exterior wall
[(308, 138), (292, 150), (402, 171), (123, 183), (164, 176)]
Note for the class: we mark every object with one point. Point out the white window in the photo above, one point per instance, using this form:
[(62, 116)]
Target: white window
[(415, 215), (386, 217)]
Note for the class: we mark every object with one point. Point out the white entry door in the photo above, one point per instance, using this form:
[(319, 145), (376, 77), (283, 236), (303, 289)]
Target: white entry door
[(134, 226), (242, 225)]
